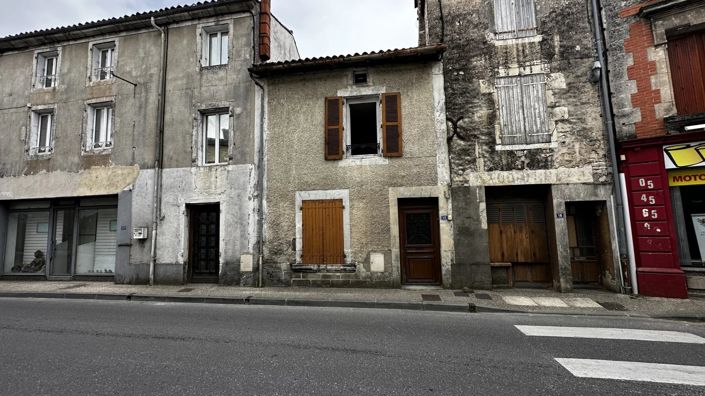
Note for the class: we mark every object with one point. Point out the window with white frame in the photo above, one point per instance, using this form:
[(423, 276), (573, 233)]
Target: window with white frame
[(47, 69), (100, 122), (362, 135), (523, 109), (215, 45), (216, 137), (514, 18), (103, 61), (42, 138)]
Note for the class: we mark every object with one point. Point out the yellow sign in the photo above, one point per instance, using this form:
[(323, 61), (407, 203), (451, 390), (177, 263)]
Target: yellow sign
[(691, 177), (685, 155)]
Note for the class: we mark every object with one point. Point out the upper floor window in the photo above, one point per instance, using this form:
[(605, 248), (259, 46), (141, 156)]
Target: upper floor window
[(103, 61), (100, 122), (216, 138), (42, 137), (522, 109), (514, 18), (215, 46), (353, 126), (47, 69), (687, 64)]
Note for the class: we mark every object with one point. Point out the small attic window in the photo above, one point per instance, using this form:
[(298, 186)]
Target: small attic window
[(360, 77)]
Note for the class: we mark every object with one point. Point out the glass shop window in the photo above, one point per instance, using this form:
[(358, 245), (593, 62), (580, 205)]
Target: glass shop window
[(26, 243), (97, 230)]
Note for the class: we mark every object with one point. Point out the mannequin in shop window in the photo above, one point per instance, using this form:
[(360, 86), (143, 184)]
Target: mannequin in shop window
[(35, 266)]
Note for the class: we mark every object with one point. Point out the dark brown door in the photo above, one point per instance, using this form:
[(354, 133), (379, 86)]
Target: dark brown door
[(205, 243), (517, 235), (419, 242)]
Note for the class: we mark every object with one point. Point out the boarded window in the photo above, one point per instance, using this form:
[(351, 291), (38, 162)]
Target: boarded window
[(514, 18), (391, 125), (322, 232), (687, 60), (522, 109), (333, 132)]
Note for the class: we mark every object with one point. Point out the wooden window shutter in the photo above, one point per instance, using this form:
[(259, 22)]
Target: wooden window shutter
[(391, 125), (333, 128), (687, 60), (322, 226)]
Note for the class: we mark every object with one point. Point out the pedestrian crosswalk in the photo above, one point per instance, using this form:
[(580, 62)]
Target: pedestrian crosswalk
[(624, 370)]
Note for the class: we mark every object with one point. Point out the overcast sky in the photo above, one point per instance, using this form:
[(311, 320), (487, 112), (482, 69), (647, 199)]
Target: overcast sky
[(321, 27)]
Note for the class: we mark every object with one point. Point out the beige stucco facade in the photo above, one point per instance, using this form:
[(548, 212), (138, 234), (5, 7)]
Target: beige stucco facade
[(370, 187)]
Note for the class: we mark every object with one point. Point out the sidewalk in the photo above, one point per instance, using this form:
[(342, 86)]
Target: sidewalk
[(580, 302)]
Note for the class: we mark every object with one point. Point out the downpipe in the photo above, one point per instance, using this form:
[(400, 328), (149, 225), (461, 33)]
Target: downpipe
[(608, 120), (157, 191)]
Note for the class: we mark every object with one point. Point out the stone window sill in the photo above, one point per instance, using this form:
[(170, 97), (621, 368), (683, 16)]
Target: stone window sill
[(363, 160), (536, 146)]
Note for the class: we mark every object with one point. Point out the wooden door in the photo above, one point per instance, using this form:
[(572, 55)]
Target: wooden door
[(584, 242), (322, 223), (517, 235), (205, 243), (419, 242)]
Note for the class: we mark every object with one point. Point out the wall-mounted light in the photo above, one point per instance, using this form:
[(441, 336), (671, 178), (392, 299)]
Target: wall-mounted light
[(595, 72)]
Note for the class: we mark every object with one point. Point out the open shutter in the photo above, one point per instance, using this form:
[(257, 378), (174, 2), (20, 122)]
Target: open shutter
[(391, 125), (333, 128)]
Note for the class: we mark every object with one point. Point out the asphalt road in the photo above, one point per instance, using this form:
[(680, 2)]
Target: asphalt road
[(73, 347)]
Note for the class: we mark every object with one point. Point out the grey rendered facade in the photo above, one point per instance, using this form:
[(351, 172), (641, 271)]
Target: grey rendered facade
[(112, 172), (547, 46)]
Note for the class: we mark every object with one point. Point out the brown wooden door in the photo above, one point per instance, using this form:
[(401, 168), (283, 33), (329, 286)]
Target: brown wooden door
[(517, 235), (205, 243), (419, 242), (323, 241)]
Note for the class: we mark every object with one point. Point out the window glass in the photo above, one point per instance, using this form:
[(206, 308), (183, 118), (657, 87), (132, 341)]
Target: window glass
[(26, 242), (214, 47), (102, 126), (224, 48), (49, 72), (96, 241), (211, 133), (216, 138), (224, 137)]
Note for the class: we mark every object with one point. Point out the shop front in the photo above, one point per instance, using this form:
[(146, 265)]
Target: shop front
[(59, 239), (665, 182)]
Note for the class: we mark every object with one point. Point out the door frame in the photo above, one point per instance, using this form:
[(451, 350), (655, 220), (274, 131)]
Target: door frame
[(191, 233), (411, 204), (51, 258)]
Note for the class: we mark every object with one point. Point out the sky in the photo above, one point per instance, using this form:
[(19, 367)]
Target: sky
[(321, 27)]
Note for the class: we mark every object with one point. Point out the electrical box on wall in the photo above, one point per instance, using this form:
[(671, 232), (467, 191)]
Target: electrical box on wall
[(139, 233)]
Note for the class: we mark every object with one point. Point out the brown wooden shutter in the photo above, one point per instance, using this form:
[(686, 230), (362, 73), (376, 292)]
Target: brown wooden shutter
[(322, 237), (333, 128), (391, 125), (686, 56)]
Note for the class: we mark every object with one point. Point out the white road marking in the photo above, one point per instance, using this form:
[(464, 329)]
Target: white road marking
[(518, 300), (582, 302), (611, 333), (635, 371), (550, 302)]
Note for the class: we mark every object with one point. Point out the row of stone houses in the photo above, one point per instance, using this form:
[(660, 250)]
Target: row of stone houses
[(191, 144)]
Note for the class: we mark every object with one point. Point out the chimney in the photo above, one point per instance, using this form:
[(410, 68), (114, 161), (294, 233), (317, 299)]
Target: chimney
[(265, 29)]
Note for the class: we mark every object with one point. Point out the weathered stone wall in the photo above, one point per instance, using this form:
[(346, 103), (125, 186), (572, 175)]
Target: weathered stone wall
[(563, 49), (577, 154)]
